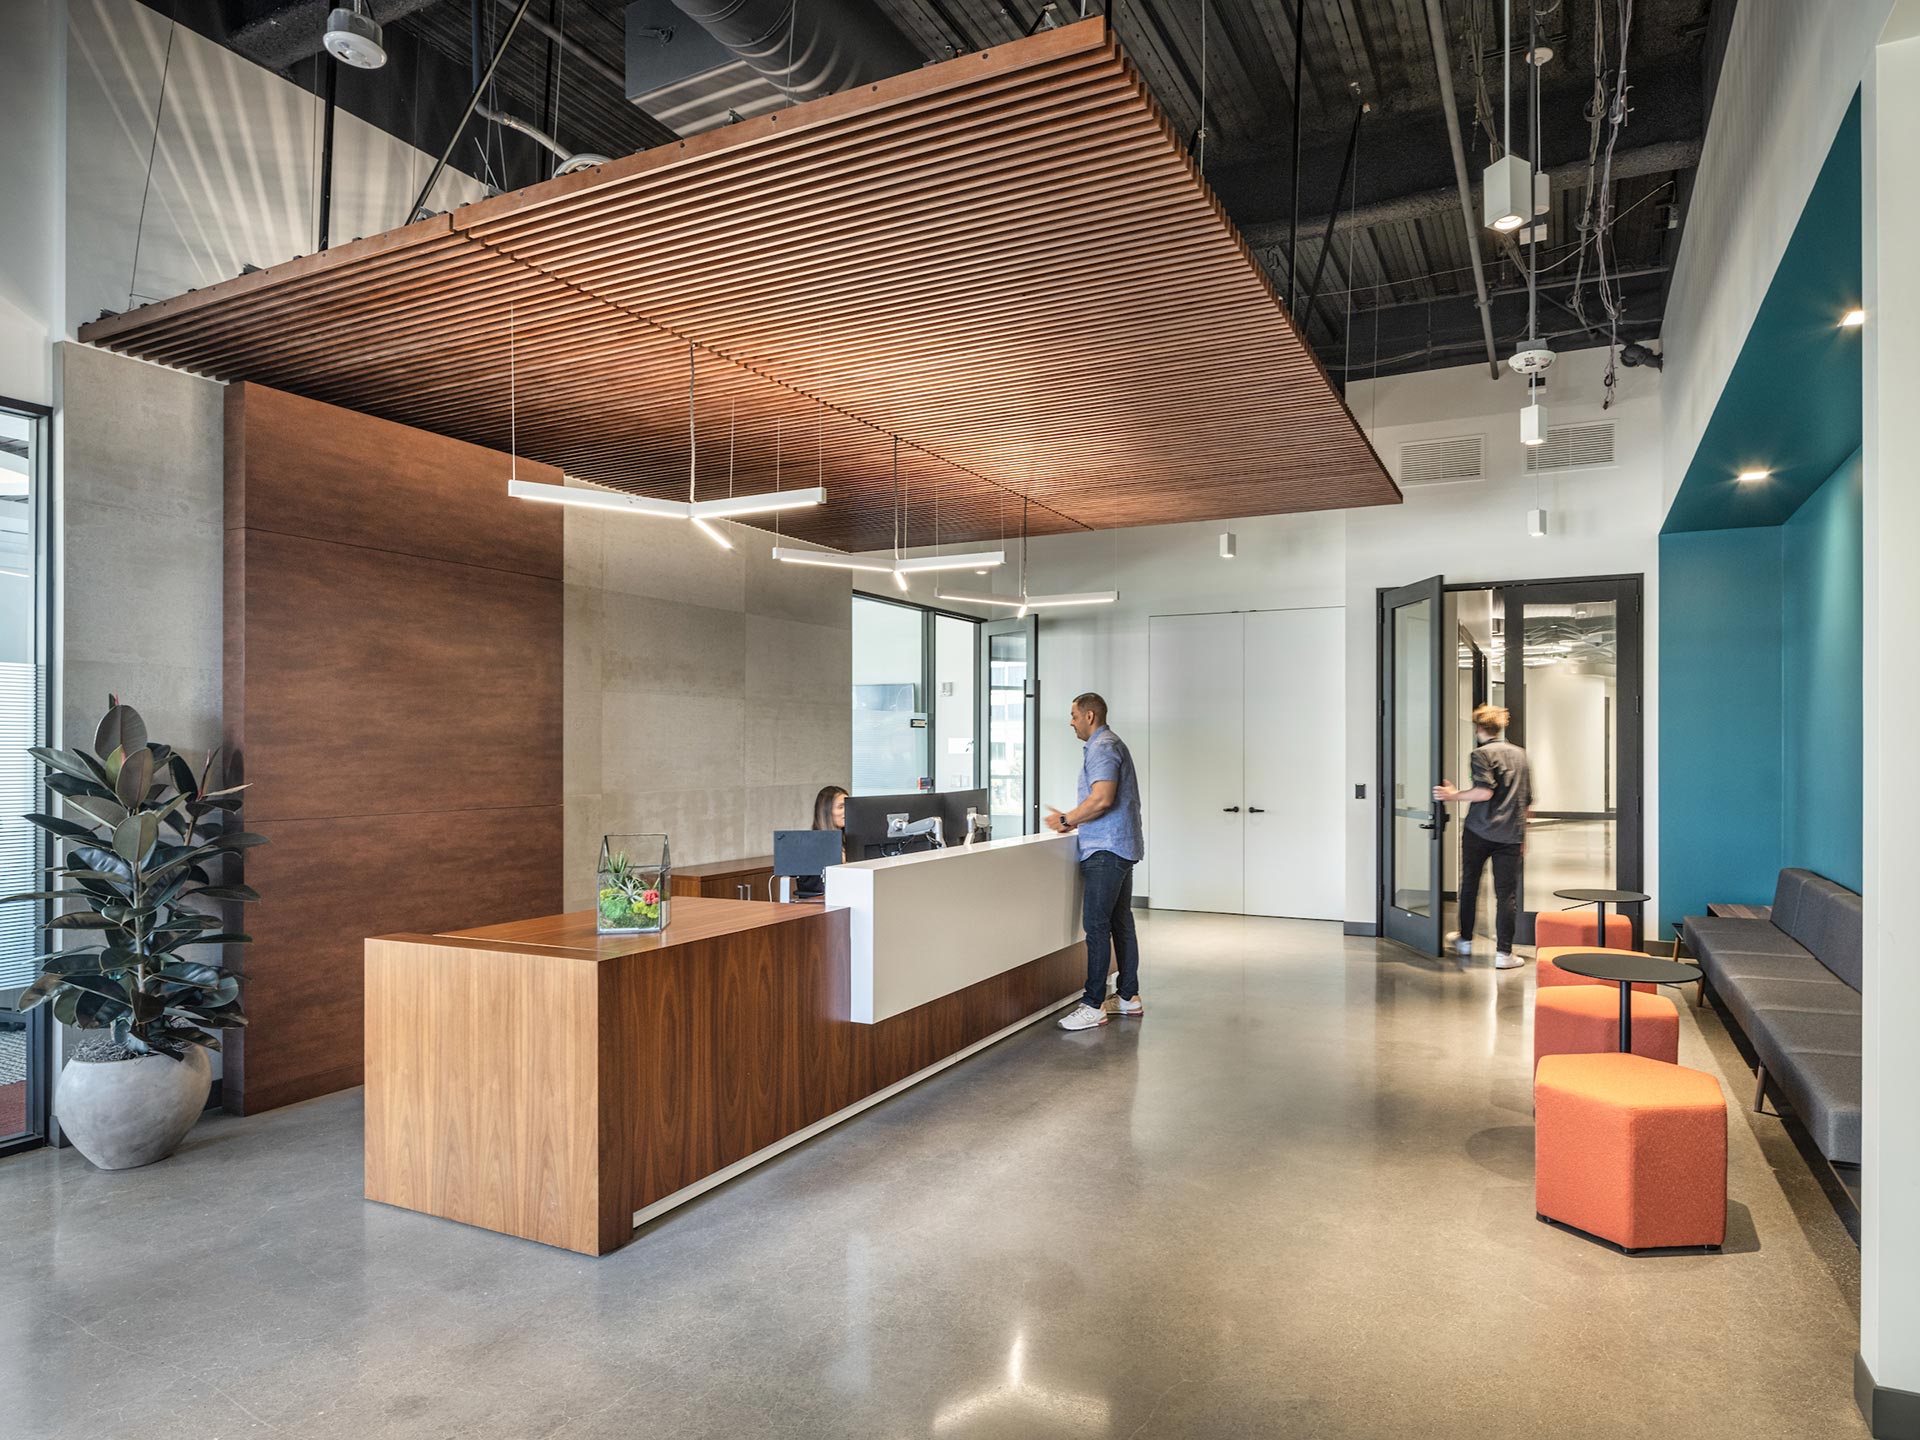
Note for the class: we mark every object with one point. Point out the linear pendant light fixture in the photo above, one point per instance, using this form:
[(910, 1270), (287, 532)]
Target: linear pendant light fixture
[(1023, 602), (900, 566), (700, 512)]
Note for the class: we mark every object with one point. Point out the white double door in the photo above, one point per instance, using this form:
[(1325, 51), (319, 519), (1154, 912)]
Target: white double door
[(1245, 808)]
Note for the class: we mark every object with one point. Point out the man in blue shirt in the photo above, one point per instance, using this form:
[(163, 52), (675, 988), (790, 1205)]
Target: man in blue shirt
[(1107, 821)]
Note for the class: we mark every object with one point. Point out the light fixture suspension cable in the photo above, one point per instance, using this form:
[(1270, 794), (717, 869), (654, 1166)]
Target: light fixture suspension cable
[(1203, 87), (513, 403), (1506, 82), (692, 439)]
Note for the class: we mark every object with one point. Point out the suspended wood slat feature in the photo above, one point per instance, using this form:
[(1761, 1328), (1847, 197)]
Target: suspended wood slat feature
[(1008, 260)]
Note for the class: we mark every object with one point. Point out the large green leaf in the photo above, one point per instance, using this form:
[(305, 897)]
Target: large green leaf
[(81, 920), (135, 779), (106, 811), (121, 728), (134, 837), (242, 893), (70, 785), (42, 895), (87, 1009), (74, 962), (65, 829), (95, 857), (70, 762)]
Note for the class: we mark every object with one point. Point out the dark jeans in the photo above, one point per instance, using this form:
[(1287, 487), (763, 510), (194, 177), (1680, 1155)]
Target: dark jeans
[(1475, 851), (1106, 911)]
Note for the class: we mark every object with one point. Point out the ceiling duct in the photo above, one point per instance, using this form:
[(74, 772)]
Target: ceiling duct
[(837, 44)]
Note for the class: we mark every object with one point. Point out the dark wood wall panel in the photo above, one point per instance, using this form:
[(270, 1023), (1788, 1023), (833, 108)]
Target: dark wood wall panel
[(393, 696)]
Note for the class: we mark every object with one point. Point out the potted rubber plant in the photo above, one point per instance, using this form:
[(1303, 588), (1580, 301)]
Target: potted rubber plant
[(144, 842)]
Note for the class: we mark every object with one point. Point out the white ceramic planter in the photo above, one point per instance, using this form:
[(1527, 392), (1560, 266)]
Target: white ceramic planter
[(125, 1113)]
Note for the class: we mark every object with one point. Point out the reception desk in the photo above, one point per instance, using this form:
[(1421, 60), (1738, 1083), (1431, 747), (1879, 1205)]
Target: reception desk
[(544, 1081)]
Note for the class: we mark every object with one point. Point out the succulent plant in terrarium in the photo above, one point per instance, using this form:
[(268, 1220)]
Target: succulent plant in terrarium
[(633, 883)]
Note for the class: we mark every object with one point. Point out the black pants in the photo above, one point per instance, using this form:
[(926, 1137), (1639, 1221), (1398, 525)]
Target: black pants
[(1475, 851), (1106, 913)]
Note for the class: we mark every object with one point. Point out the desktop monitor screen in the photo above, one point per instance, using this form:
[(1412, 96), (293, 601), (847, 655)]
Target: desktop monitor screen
[(866, 828)]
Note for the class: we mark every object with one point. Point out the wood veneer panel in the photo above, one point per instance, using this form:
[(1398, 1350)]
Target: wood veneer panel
[(722, 879), (360, 481), (887, 260), (483, 1088), (393, 694), (380, 682), (329, 883)]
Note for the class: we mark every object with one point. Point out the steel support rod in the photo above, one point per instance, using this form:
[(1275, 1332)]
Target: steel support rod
[(1326, 244), (1293, 223), (420, 200), (1443, 67), (326, 152)]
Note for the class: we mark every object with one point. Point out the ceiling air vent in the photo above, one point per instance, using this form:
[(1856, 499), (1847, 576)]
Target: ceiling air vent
[(1573, 447), (1443, 462)]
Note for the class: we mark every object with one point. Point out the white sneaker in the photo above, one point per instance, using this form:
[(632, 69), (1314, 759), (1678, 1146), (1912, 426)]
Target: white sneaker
[(1082, 1017), (1134, 1007), (1459, 944), (1503, 961)]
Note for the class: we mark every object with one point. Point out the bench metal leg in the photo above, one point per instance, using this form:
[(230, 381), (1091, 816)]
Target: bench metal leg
[(1760, 1089)]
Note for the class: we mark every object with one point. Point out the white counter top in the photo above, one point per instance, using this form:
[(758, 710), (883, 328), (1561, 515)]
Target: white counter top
[(930, 923)]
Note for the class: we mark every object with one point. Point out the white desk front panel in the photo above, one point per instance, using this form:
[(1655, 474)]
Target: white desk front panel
[(926, 925)]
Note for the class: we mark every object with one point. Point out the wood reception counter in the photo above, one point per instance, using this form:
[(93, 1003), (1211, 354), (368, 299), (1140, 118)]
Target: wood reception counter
[(545, 1081)]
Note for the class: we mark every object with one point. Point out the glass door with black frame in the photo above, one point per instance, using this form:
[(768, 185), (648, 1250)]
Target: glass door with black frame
[(1413, 647), (1010, 719)]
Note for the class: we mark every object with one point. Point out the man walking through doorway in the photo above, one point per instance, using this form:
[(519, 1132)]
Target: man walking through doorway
[(1495, 830), (1107, 821)]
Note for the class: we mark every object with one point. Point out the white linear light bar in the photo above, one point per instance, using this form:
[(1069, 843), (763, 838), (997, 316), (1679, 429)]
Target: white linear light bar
[(701, 510), (732, 505), (1030, 602), (977, 560), (828, 560), (707, 529), (598, 499)]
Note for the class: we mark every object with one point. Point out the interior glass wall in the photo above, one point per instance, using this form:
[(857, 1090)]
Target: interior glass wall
[(1570, 654), (915, 699), (22, 724), (889, 697)]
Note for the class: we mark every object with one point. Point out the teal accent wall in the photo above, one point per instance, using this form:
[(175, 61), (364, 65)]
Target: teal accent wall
[(1823, 614), (1721, 723)]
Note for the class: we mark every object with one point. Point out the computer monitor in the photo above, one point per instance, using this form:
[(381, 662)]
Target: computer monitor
[(806, 855), (954, 805), (866, 827)]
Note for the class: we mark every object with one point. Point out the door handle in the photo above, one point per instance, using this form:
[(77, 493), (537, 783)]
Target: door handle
[(1255, 810), (1428, 826), (1229, 809)]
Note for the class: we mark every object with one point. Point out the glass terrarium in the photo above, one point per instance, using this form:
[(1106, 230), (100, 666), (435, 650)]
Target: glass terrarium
[(636, 873)]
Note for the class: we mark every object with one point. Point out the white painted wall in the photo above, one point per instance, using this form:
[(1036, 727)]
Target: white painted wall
[(1567, 735), (1602, 522), (235, 171), (33, 182), (1790, 72), (1890, 1069)]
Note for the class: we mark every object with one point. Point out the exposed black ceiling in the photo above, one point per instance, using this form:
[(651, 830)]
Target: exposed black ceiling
[(1396, 292)]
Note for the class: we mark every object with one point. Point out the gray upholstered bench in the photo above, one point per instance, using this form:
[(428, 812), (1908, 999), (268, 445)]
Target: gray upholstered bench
[(1792, 983)]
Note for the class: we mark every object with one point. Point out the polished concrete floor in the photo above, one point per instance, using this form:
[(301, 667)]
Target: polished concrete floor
[(1295, 1200)]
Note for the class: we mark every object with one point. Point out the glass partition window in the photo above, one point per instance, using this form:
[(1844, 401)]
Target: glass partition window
[(889, 707), (956, 713), (21, 725), (1007, 675), (1570, 655), (1414, 779)]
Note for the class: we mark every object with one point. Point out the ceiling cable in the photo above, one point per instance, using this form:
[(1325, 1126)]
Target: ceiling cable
[(153, 149), (513, 403)]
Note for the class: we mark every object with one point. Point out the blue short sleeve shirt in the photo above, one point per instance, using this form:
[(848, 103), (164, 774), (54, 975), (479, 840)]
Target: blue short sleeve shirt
[(1106, 757)]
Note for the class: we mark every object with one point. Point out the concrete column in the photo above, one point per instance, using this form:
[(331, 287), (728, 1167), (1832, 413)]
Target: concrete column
[(1888, 1376)]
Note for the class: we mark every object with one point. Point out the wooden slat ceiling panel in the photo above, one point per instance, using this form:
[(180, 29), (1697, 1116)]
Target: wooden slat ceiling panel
[(1006, 260)]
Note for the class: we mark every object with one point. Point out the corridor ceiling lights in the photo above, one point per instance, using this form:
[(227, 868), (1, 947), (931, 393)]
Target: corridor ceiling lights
[(1753, 477), (1853, 319)]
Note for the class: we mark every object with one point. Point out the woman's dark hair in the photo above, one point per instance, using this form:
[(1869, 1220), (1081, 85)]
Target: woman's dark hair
[(823, 807)]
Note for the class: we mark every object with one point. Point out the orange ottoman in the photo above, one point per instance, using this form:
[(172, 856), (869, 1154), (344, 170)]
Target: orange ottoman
[(1585, 1020), (1631, 1150), (1569, 928), (1546, 973)]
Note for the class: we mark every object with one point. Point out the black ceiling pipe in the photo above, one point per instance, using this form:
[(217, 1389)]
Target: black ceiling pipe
[(838, 43)]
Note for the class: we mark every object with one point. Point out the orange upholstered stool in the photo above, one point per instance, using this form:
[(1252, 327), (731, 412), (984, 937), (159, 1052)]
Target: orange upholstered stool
[(1546, 973), (1568, 928), (1585, 1020), (1631, 1150)]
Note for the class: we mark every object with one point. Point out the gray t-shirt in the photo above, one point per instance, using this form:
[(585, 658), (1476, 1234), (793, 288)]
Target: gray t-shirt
[(1502, 768)]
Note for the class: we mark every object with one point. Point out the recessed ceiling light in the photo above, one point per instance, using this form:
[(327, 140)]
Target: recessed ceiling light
[(1853, 319), (1748, 477)]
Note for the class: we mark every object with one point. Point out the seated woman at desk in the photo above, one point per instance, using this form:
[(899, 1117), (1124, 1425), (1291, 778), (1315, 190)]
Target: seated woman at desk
[(829, 813)]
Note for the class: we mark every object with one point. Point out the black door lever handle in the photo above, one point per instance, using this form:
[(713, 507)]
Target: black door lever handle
[(1229, 809), (1255, 810)]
